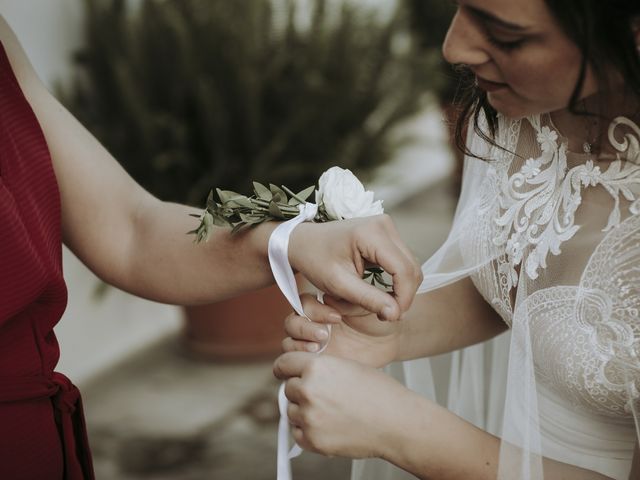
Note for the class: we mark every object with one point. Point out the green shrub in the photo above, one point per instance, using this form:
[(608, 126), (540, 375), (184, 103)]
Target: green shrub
[(191, 94)]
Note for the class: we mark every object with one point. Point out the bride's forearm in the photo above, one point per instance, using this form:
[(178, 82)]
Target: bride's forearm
[(447, 319), (432, 442)]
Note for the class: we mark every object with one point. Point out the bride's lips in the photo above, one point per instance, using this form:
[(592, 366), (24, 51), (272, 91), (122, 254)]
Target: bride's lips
[(489, 86)]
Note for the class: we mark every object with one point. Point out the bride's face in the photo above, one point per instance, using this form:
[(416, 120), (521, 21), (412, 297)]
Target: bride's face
[(520, 55)]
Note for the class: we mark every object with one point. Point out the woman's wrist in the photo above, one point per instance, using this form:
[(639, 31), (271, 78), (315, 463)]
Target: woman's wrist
[(259, 241), (405, 428), (298, 241)]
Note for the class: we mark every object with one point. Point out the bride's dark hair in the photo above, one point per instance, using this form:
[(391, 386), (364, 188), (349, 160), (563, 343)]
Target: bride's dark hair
[(603, 30)]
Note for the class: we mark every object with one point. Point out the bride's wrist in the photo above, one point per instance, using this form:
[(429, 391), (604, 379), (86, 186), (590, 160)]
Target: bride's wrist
[(407, 430)]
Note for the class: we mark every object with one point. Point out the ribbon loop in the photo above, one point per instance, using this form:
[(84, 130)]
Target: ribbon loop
[(279, 255)]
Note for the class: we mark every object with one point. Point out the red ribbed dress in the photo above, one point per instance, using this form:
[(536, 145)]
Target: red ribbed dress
[(42, 432)]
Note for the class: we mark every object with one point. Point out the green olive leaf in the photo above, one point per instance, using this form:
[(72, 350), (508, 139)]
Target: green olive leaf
[(275, 211), (306, 193), (279, 195), (262, 192)]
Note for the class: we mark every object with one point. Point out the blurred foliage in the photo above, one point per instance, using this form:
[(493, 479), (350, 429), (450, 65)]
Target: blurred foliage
[(194, 94), (429, 20)]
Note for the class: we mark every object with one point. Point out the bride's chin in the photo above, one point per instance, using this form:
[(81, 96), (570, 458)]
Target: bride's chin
[(512, 110)]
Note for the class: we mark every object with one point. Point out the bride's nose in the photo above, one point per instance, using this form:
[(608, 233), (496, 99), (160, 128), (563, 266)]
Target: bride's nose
[(464, 43)]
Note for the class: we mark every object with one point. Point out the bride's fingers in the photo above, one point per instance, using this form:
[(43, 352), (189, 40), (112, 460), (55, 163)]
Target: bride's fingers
[(298, 436), (294, 414), (319, 312), (345, 308), (299, 328), (291, 345)]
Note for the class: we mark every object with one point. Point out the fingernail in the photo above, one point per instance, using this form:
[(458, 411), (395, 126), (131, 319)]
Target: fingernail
[(312, 347), (321, 334), (387, 312)]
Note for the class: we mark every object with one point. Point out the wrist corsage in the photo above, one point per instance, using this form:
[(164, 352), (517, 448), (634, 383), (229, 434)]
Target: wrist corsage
[(339, 196)]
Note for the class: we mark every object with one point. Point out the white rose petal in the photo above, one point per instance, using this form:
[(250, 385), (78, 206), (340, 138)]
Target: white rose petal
[(344, 196)]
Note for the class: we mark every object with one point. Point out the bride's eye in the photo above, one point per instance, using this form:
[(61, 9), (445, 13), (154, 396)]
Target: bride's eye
[(505, 45)]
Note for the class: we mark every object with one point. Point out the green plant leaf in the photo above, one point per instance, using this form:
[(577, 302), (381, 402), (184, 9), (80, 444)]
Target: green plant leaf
[(223, 195), (275, 211), (251, 218), (239, 201), (220, 221), (279, 195), (306, 193), (228, 195), (262, 192), (211, 202)]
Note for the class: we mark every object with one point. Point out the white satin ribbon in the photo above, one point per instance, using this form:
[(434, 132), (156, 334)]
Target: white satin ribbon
[(279, 255), (283, 274)]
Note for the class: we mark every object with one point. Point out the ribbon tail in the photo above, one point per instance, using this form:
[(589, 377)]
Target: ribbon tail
[(285, 278), (284, 465)]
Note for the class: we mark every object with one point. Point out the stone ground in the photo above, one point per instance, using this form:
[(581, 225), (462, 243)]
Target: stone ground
[(163, 416)]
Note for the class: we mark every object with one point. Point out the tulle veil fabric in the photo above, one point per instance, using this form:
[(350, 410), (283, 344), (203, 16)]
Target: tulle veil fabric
[(553, 243)]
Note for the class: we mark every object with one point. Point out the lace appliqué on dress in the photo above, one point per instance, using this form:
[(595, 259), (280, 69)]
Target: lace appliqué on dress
[(587, 337), (538, 203)]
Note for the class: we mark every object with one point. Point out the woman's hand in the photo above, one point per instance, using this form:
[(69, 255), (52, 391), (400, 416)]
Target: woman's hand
[(355, 334), (332, 256), (339, 407)]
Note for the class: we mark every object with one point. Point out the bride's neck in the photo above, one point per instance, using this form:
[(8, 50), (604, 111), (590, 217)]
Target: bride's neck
[(589, 123)]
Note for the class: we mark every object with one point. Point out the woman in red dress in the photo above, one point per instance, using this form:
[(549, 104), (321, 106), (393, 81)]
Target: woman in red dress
[(57, 183)]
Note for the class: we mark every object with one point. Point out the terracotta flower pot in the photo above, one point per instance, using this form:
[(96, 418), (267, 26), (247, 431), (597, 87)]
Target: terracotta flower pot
[(247, 327)]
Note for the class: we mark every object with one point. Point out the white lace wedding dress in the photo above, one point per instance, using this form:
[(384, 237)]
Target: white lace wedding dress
[(551, 239)]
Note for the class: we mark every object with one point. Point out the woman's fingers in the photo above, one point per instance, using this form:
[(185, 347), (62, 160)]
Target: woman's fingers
[(291, 364), (391, 254), (345, 308), (300, 328), (294, 391), (340, 250), (291, 345), (319, 312), (295, 414)]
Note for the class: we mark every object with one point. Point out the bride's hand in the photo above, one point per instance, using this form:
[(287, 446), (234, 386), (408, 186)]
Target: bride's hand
[(339, 407), (332, 256), (355, 334)]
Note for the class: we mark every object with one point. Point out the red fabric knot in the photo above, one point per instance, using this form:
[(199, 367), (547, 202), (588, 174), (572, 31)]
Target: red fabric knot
[(66, 398), (75, 444), (67, 401)]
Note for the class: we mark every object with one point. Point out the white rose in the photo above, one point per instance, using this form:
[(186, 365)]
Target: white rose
[(344, 196)]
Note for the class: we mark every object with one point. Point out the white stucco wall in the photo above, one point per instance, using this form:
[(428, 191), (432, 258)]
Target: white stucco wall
[(49, 31)]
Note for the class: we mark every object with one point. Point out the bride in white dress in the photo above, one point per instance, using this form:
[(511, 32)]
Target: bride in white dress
[(545, 243)]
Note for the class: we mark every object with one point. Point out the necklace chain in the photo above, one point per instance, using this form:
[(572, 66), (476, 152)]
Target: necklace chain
[(591, 140)]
